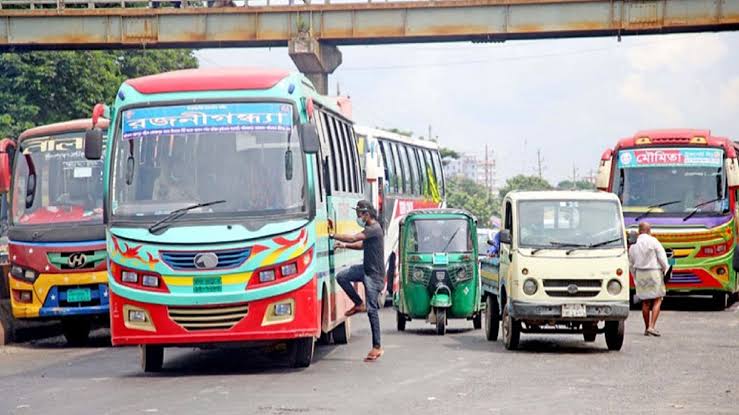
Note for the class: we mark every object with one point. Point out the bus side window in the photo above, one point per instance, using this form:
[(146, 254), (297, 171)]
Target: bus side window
[(338, 153), (356, 161), (422, 171), (439, 174), (429, 173), (335, 159), (319, 156), (407, 168), (388, 163), (350, 158), (413, 160), (399, 173)]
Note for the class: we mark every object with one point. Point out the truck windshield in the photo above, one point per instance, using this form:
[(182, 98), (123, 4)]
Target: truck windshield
[(440, 235), (167, 158), (54, 183), (693, 180), (562, 224)]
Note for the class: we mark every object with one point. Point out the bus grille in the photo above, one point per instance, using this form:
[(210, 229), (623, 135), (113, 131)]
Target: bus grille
[(684, 278), (185, 260), (572, 288), (208, 318)]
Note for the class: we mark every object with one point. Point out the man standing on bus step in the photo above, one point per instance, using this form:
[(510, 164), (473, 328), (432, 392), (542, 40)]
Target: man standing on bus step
[(370, 273)]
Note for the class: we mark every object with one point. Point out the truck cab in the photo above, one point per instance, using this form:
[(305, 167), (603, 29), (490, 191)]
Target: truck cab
[(563, 267)]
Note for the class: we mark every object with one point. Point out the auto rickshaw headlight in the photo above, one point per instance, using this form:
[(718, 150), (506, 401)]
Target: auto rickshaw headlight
[(463, 275), (614, 287), (530, 286), (417, 275)]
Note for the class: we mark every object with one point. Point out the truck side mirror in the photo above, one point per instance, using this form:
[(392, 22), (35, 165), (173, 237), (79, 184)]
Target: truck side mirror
[(505, 237), (732, 172), (94, 144), (309, 138), (6, 150)]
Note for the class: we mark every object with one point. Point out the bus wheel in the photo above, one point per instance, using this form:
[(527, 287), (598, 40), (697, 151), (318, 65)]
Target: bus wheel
[(152, 358), (76, 331), (589, 332), (511, 330), (400, 320), (302, 352), (441, 321), (615, 334), (342, 333), (720, 301), (492, 318)]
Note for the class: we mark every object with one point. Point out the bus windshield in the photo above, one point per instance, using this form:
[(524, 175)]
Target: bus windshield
[(54, 183), (674, 189), (436, 235), (168, 158)]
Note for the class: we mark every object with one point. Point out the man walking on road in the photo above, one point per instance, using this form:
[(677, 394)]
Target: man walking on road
[(370, 273), (648, 266)]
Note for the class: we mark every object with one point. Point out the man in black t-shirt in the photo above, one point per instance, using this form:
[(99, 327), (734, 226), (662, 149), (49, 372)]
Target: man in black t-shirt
[(371, 272)]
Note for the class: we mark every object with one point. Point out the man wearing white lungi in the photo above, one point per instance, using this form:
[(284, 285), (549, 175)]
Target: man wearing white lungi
[(649, 264)]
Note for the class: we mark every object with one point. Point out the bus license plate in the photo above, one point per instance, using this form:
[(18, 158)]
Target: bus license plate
[(206, 285), (574, 310), (78, 295)]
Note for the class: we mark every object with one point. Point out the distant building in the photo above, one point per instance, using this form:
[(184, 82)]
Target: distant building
[(475, 168)]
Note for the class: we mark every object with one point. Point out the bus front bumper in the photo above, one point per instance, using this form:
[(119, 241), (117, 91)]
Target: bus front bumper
[(286, 316), (49, 295)]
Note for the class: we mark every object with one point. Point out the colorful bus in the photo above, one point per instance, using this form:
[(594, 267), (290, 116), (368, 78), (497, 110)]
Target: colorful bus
[(220, 188), (403, 174), (56, 235), (685, 183)]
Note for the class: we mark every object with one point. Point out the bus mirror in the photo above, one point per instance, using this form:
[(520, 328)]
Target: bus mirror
[(288, 164), (94, 144), (604, 175), (732, 172), (99, 110), (309, 138), (6, 164)]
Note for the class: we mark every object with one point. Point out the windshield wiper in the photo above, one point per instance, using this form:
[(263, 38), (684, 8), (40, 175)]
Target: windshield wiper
[(695, 208), (163, 223), (590, 246), (651, 208), (451, 239)]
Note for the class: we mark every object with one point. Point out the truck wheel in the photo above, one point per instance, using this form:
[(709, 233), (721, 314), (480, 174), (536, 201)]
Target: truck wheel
[(615, 334), (342, 333), (492, 318), (441, 321), (511, 330), (77, 332), (720, 301), (589, 332), (302, 352), (152, 358), (400, 320), (477, 321)]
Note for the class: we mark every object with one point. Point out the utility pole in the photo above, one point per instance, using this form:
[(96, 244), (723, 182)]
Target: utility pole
[(430, 136), (487, 174), (574, 176), (539, 162)]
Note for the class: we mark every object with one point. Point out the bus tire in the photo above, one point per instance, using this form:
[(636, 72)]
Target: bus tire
[(76, 331), (152, 358), (492, 318), (302, 352), (719, 301), (615, 334), (342, 333)]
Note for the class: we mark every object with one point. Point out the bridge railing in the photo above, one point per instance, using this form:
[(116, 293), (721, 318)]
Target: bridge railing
[(108, 4)]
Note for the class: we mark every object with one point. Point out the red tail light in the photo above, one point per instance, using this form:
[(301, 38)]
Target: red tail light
[(138, 279), (284, 271)]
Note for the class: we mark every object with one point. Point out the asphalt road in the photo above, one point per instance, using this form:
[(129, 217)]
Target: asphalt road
[(691, 369)]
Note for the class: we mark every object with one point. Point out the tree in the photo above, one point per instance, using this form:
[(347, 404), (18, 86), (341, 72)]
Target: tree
[(448, 152), (523, 182), (39, 88), (578, 185), (463, 193)]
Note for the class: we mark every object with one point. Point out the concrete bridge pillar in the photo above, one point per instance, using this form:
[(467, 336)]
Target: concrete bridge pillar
[(314, 59)]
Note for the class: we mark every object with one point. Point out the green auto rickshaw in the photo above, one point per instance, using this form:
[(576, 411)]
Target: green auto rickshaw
[(438, 274)]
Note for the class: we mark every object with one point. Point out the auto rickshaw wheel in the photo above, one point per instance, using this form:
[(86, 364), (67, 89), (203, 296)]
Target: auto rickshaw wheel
[(492, 318), (511, 330), (400, 320), (589, 332), (302, 352), (342, 333), (441, 321), (152, 358), (615, 334)]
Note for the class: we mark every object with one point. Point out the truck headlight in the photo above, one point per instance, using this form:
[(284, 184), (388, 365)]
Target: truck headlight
[(530, 286), (614, 287)]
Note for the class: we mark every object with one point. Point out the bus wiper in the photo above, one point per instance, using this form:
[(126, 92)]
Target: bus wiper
[(163, 223), (651, 208), (695, 208)]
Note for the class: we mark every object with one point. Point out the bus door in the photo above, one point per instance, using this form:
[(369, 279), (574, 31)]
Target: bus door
[(325, 208)]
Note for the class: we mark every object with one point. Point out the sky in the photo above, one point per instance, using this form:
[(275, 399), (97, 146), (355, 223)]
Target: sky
[(570, 99)]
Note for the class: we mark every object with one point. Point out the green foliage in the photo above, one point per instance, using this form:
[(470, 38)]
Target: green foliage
[(38, 88), (578, 185), (463, 193), (522, 182), (448, 152)]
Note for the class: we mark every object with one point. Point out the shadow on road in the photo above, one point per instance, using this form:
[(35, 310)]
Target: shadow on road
[(689, 304)]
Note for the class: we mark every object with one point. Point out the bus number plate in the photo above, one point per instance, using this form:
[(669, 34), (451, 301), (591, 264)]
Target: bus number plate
[(574, 310), (78, 295), (206, 285)]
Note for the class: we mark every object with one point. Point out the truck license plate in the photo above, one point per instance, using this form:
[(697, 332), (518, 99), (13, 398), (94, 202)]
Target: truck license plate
[(78, 295), (574, 310), (206, 285)]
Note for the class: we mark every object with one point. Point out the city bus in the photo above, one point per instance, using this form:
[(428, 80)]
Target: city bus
[(221, 186), (402, 174), (56, 235), (685, 184)]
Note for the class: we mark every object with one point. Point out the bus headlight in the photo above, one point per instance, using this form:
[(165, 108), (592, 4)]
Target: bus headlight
[(267, 275), (614, 287), (530, 286), (21, 273)]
